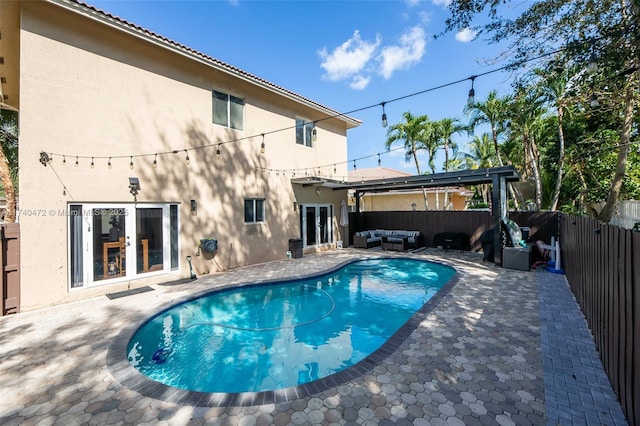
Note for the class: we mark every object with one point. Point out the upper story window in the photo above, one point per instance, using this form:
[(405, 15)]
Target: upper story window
[(228, 110), (304, 132), (253, 210)]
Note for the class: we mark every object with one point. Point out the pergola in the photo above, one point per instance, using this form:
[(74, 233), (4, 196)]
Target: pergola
[(498, 177)]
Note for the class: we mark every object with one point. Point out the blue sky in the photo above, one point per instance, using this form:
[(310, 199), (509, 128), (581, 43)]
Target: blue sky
[(346, 55)]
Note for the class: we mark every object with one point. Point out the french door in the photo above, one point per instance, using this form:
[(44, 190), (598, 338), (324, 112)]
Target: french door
[(112, 242), (316, 224)]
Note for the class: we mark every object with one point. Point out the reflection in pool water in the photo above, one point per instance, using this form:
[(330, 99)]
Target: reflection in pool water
[(277, 335)]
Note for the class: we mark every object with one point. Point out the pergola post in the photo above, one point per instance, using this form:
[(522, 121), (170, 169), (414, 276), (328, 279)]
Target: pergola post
[(496, 212)]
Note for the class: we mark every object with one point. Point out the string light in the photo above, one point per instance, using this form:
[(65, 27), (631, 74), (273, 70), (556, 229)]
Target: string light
[(354, 164), (472, 93), (131, 162), (187, 158), (314, 133), (92, 165), (345, 114), (384, 115), (109, 163), (262, 145), (379, 161), (64, 160), (155, 161), (334, 169)]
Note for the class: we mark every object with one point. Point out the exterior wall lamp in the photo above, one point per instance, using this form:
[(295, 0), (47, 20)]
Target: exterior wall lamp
[(134, 187)]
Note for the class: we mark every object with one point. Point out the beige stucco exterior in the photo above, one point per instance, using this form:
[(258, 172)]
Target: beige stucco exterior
[(93, 86)]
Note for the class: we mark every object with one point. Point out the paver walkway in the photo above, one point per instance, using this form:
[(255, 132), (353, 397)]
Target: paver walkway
[(479, 356), (577, 390)]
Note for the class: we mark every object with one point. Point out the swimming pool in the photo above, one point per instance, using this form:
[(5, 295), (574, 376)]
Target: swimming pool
[(277, 335)]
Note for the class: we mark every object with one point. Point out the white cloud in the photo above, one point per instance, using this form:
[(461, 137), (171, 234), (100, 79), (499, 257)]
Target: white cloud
[(408, 52), (425, 17), (359, 82), (412, 3), (348, 59), (444, 3), (466, 35)]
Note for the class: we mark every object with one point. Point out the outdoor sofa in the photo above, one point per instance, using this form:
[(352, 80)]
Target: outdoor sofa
[(398, 240)]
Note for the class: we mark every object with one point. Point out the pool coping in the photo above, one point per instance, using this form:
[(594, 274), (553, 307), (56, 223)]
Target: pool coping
[(125, 373)]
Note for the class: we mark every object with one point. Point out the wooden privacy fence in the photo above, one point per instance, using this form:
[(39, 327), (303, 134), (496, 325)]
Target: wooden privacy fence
[(602, 265), (10, 267), (543, 225)]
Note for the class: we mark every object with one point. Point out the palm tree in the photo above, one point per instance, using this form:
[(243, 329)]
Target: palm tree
[(415, 131), (494, 111), (412, 133), (9, 160), (481, 155), (554, 87), (445, 129), (526, 117)]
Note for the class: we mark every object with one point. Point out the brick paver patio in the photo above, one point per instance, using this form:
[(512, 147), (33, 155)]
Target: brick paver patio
[(495, 349)]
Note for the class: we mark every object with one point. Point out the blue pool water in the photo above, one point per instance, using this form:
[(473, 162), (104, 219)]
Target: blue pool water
[(273, 336)]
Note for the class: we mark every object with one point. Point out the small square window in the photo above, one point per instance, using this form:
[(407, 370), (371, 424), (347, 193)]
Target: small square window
[(253, 210)]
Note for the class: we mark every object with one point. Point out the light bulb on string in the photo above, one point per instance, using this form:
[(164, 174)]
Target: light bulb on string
[(64, 160), (131, 162), (109, 163), (472, 93), (379, 161), (262, 145), (218, 154), (354, 164), (334, 169), (314, 133), (76, 161), (187, 160), (92, 165), (155, 161), (384, 115)]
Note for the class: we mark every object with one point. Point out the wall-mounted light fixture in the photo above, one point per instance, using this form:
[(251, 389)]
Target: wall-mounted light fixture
[(134, 187), (194, 208)]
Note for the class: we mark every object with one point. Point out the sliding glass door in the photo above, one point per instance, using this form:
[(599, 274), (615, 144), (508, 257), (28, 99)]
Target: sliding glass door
[(110, 242)]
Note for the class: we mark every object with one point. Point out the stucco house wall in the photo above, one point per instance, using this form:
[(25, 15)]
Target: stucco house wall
[(105, 92)]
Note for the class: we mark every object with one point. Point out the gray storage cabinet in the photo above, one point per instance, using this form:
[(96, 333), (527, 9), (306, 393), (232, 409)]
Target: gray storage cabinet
[(516, 258)]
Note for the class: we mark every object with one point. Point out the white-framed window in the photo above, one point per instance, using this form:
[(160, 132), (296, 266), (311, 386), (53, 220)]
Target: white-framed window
[(253, 210), (304, 132), (115, 242), (228, 110)]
